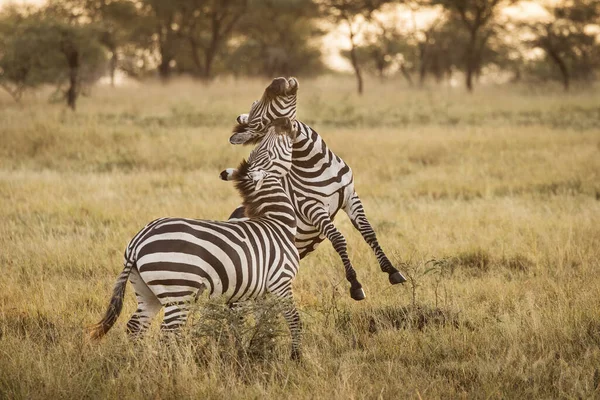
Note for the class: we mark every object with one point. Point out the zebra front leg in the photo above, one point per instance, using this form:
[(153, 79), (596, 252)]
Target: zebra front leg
[(356, 213), (320, 218)]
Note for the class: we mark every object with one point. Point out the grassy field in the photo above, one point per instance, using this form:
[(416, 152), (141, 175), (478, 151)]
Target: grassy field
[(502, 188)]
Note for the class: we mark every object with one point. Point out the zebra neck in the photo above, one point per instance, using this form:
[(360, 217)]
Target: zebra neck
[(270, 202)]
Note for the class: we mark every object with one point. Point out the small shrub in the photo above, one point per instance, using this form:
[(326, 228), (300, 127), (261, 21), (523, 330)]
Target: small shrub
[(476, 261), (517, 263), (571, 187), (36, 326), (246, 332), (427, 157), (378, 319)]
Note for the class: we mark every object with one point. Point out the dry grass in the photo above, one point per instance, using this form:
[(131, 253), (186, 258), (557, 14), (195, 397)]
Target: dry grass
[(500, 187)]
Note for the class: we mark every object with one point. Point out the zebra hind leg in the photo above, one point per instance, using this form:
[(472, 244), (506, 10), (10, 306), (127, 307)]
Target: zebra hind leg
[(321, 219), (356, 213), (148, 306)]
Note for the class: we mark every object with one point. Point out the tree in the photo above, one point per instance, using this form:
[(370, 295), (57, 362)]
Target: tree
[(22, 59), (205, 26), (439, 48), (78, 42), (161, 17), (277, 38), (566, 42), (354, 14), (387, 47), (476, 17), (120, 25), (49, 45)]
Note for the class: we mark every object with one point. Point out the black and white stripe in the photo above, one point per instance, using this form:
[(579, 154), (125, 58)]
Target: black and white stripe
[(171, 261), (278, 101), (319, 184)]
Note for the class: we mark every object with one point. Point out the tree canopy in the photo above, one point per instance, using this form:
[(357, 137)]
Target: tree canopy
[(72, 43)]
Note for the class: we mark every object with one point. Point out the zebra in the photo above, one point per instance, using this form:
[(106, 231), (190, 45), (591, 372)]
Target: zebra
[(171, 261), (319, 183)]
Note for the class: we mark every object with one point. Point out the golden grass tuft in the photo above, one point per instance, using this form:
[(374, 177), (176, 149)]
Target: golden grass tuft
[(499, 190)]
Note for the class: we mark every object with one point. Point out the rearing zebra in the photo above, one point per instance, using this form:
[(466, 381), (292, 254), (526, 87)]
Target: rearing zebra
[(171, 261), (319, 183)]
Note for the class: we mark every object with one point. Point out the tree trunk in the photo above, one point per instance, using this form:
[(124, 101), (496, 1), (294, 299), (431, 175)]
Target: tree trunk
[(422, 65), (72, 92), (164, 68), (379, 59), (380, 73), (359, 80), (208, 61), (211, 50), (354, 60), (470, 63), (195, 56), (113, 66), (406, 75), (562, 66), (516, 75), (469, 78)]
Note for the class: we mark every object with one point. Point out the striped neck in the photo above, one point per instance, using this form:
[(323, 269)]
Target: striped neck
[(269, 202)]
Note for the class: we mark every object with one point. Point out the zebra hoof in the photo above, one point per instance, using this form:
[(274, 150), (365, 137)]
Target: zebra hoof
[(396, 278), (357, 294), (295, 355)]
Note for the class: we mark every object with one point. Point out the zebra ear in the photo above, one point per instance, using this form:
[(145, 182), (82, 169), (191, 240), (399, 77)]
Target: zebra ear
[(242, 119), (227, 175), (240, 137)]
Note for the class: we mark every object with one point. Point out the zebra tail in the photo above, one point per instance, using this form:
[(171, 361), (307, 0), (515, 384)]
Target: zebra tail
[(114, 307)]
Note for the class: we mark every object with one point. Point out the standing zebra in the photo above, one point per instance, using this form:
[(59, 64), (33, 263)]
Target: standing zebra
[(171, 261), (319, 183)]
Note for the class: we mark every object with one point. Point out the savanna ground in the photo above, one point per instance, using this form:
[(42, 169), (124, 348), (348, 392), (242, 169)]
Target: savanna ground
[(502, 188)]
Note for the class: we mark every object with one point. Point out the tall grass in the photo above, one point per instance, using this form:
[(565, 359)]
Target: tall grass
[(501, 188)]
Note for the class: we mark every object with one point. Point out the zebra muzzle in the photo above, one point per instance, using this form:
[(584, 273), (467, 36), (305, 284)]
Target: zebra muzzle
[(282, 87)]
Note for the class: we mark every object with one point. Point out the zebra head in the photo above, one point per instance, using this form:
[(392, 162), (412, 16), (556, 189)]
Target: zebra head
[(272, 157), (278, 101)]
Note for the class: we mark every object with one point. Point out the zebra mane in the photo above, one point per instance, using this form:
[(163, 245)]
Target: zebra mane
[(245, 187)]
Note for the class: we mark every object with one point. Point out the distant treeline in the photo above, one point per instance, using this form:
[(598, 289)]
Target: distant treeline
[(73, 43)]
